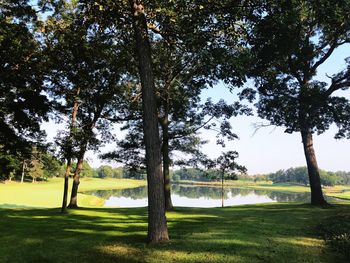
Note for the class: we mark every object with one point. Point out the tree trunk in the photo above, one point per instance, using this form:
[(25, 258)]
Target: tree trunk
[(157, 226), (33, 179), (314, 175), (166, 163), (23, 167), (222, 188), (65, 186), (69, 151), (76, 180)]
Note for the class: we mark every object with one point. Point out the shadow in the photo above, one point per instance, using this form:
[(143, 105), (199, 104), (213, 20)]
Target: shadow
[(250, 233)]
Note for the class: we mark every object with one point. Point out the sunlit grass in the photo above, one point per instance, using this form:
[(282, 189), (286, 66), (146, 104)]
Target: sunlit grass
[(252, 233), (49, 194)]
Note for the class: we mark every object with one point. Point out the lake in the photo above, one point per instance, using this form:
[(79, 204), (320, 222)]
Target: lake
[(198, 196)]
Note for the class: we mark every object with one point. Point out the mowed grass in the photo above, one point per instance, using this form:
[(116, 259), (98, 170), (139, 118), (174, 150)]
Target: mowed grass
[(49, 194), (254, 233)]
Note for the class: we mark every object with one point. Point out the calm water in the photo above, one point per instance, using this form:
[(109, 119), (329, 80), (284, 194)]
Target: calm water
[(198, 196)]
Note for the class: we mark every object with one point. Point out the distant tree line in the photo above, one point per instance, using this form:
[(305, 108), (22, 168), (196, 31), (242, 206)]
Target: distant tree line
[(194, 174), (41, 165), (299, 175)]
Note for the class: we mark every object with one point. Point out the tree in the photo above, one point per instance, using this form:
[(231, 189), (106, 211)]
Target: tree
[(51, 165), (226, 165), (157, 227), (87, 61), (9, 164), (289, 41), (23, 105), (105, 171)]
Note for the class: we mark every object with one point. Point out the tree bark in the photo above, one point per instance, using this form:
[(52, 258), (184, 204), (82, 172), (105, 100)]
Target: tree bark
[(157, 226), (69, 153), (73, 204), (65, 186), (76, 181), (166, 163), (312, 167)]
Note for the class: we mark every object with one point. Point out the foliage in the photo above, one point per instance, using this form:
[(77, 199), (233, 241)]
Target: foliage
[(300, 175), (23, 105), (9, 164), (87, 170), (196, 174), (87, 67), (105, 171)]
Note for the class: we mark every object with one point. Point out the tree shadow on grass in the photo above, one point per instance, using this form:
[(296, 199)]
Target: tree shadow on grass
[(253, 233)]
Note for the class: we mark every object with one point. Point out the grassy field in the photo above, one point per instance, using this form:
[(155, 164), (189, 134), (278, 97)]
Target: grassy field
[(49, 194), (253, 233)]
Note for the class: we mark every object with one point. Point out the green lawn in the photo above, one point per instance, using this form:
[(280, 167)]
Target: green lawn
[(253, 233), (49, 194)]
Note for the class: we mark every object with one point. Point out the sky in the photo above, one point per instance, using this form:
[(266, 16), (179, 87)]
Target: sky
[(268, 149)]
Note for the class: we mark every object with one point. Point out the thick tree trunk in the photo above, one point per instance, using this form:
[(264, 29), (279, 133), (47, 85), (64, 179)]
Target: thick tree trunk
[(69, 153), (166, 164), (76, 180), (157, 226), (314, 175)]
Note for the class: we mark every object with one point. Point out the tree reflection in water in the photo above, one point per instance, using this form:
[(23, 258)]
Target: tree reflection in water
[(199, 196)]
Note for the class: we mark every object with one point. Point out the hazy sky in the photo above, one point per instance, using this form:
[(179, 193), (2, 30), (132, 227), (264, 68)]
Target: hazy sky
[(270, 149)]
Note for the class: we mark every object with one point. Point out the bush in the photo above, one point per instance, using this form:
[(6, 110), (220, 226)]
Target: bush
[(335, 231)]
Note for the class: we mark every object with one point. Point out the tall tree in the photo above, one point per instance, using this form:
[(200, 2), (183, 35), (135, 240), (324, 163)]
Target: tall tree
[(157, 227), (86, 60), (290, 40), (184, 64)]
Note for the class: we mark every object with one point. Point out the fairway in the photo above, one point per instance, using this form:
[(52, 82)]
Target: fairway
[(254, 233), (49, 194)]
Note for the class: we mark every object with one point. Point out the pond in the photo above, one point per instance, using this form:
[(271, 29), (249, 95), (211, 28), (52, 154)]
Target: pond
[(198, 196)]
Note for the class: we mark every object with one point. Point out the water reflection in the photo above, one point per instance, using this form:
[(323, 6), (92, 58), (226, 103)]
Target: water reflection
[(198, 196)]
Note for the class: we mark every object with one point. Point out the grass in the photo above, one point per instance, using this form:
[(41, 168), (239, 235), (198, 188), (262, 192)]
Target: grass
[(253, 233), (49, 194)]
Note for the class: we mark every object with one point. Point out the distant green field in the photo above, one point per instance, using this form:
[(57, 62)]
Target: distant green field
[(49, 194), (285, 232)]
